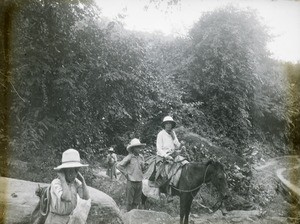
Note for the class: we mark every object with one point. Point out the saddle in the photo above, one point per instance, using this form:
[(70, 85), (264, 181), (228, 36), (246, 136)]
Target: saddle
[(162, 172)]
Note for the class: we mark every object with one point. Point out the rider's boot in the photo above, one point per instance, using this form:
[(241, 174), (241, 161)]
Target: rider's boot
[(170, 198)]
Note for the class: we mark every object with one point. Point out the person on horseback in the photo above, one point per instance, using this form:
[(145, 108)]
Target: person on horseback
[(168, 149), (111, 161), (167, 141)]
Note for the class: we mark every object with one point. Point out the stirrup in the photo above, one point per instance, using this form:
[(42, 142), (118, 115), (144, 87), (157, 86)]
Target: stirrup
[(170, 198)]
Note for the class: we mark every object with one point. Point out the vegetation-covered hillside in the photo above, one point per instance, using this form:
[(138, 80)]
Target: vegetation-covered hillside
[(72, 79)]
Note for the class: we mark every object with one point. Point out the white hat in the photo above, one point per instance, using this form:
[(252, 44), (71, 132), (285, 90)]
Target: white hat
[(70, 159), (111, 149), (168, 119), (134, 142)]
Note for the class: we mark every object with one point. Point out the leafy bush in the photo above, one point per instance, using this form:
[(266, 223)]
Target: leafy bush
[(80, 81)]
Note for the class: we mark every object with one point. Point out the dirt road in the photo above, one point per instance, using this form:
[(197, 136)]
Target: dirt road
[(277, 170)]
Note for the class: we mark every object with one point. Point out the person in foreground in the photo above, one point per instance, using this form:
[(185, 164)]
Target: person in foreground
[(132, 167), (65, 188)]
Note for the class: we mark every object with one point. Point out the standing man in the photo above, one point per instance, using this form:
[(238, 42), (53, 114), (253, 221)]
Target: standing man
[(132, 167), (111, 161)]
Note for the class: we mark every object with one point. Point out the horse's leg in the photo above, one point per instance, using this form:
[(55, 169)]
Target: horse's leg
[(185, 207), (189, 200), (144, 199), (182, 207), (161, 199)]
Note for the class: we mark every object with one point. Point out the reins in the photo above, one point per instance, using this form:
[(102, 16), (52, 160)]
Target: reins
[(196, 188)]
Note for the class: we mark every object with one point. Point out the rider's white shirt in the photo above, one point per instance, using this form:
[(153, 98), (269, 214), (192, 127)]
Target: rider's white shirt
[(165, 144)]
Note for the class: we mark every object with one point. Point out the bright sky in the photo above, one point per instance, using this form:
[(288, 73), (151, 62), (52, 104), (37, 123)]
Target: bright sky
[(281, 16)]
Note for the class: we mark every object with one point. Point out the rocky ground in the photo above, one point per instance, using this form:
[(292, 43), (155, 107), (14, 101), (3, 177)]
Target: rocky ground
[(271, 204), (275, 207)]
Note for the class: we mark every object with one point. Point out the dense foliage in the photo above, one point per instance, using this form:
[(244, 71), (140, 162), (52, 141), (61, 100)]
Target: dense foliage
[(228, 47), (293, 75), (78, 80)]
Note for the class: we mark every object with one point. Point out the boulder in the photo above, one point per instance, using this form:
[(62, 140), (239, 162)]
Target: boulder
[(18, 200), (147, 217)]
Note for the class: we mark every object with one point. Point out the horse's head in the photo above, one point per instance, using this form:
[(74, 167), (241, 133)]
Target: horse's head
[(218, 178)]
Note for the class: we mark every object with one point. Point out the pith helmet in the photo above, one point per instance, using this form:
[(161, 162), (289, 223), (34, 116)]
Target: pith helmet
[(168, 119)]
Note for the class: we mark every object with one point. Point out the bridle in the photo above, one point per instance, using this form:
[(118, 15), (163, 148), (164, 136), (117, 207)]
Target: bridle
[(196, 188)]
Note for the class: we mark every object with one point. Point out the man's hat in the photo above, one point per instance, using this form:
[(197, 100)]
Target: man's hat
[(111, 149), (133, 143), (168, 119), (70, 159)]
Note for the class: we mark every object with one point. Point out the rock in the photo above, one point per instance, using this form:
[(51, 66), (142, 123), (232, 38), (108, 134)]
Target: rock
[(147, 217), (246, 214), (104, 209), (249, 219), (236, 202), (18, 200), (293, 188), (194, 216), (237, 220)]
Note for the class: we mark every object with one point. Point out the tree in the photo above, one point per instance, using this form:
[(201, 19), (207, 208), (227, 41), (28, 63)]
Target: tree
[(269, 117), (44, 40), (162, 58), (292, 72), (81, 81), (227, 47), (6, 17)]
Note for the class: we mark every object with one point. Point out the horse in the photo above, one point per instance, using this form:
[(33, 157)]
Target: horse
[(193, 175)]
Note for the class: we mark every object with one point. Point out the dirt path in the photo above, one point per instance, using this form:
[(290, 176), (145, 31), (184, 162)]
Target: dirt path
[(267, 175), (274, 161), (293, 173), (238, 216)]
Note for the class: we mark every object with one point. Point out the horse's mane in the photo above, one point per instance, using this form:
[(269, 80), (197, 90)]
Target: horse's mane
[(214, 163), (211, 162)]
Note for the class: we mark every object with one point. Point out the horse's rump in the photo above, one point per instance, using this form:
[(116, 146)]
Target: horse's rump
[(151, 168), (150, 188)]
